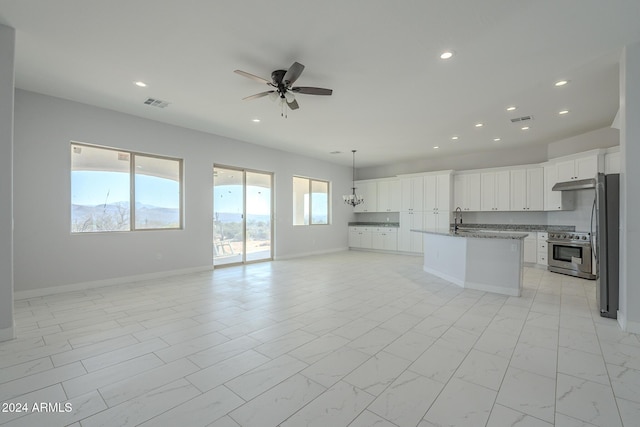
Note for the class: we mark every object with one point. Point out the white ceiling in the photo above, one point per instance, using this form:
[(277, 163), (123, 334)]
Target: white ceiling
[(393, 98)]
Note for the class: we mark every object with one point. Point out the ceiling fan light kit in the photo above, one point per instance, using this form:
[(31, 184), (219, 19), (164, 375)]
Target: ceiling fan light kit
[(282, 83)]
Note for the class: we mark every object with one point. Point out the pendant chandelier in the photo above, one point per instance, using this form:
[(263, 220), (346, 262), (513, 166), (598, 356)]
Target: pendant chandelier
[(353, 199)]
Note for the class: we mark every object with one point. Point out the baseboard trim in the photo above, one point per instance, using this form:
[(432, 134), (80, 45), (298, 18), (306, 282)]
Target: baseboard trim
[(7, 334), (632, 327), (306, 254), (34, 293), (448, 278)]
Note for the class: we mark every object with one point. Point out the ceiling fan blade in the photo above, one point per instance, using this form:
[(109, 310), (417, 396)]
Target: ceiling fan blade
[(292, 74), (311, 90), (251, 76), (258, 95), (293, 105)]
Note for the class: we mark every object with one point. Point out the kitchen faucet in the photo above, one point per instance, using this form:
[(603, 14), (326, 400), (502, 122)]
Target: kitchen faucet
[(455, 219)]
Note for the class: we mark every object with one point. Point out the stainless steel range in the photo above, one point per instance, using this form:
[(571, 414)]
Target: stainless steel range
[(570, 253)]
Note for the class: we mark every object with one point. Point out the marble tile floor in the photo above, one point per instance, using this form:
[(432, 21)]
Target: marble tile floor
[(345, 339)]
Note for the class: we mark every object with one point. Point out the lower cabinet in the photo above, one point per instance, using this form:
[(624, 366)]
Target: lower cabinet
[(543, 251), (531, 248), (385, 239), (409, 241), (380, 238), (360, 237)]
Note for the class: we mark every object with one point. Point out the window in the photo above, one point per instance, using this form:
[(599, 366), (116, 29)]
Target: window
[(310, 201), (116, 190)]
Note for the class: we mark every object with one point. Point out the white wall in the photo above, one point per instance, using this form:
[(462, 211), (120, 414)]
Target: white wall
[(629, 313), (478, 160), (599, 138), (46, 254), (7, 49)]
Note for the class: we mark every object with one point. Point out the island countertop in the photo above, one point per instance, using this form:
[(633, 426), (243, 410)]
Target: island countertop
[(472, 233)]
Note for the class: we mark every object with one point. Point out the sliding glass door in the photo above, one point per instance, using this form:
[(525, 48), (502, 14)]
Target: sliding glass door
[(242, 215)]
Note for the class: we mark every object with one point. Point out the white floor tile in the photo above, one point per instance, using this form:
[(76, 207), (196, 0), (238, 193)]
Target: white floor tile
[(483, 369), (461, 404), (216, 375), (529, 393), (262, 378), (587, 401), (112, 374), (351, 338), (145, 407), (374, 375), (199, 411), (337, 406), (501, 416), (277, 404), (407, 399), (335, 366)]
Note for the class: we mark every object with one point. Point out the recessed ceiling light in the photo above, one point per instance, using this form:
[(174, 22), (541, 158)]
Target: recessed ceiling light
[(255, 120), (562, 82), (479, 125), (454, 138), (140, 84), (446, 55), (525, 128), (335, 152), (513, 107), (436, 147), (496, 139), (563, 112)]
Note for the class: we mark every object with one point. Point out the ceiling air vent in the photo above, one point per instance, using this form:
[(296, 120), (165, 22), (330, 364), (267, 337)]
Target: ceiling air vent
[(521, 119), (156, 103)]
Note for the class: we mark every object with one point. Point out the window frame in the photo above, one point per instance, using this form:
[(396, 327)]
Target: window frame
[(132, 188), (310, 193)]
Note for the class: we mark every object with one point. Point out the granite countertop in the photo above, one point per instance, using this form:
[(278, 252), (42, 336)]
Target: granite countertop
[(517, 227), (472, 234), (374, 224)]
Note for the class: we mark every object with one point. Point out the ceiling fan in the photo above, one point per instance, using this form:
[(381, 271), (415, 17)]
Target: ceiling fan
[(281, 82)]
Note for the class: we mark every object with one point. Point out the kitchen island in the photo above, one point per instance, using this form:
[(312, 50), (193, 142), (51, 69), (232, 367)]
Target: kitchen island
[(486, 261)]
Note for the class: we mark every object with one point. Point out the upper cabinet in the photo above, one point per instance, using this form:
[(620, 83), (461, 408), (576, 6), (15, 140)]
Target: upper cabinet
[(412, 194), (437, 200), (495, 191), (389, 194), (556, 200), (612, 162), (527, 189), (368, 190), (466, 190), (581, 168)]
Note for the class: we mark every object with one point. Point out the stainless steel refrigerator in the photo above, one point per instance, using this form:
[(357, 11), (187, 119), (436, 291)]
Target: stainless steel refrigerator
[(605, 223)]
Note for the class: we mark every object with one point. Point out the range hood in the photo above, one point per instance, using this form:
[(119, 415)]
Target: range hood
[(580, 184)]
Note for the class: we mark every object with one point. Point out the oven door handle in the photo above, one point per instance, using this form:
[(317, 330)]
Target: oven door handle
[(573, 245)]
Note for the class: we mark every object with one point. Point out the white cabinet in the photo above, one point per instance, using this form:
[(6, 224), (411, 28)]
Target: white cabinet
[(412, 194), (556, 200), (494, 190), (467, 191), (384, 238), (360, 237), (527, 189), (409, 241), (612, 162), (389, 194), (543, 251), (582, 168), (437, 201), (531, 248), (368, 190)]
